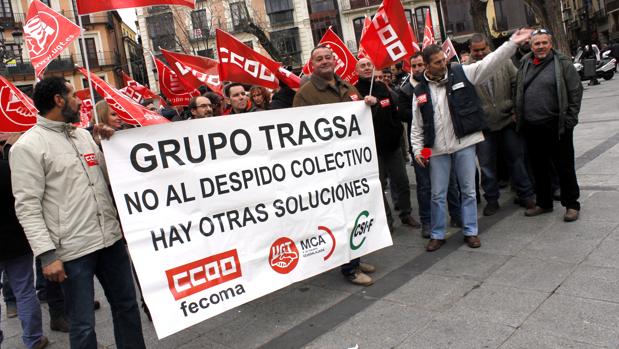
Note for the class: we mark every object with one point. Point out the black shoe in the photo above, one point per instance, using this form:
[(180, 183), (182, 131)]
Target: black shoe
[(59, 324), (491, 208)]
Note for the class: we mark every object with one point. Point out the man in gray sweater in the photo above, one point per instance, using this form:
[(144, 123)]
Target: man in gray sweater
[(548, 100), (497, 97)]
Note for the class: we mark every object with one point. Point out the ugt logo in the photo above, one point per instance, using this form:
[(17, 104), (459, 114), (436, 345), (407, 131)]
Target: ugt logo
[(363, 224), (284, 255)]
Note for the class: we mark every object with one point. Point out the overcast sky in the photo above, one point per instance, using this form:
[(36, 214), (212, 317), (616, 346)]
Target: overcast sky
[(129, 17)]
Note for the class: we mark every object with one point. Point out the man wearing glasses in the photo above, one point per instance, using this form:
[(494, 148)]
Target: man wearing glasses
[(200, 107), (548, 97)]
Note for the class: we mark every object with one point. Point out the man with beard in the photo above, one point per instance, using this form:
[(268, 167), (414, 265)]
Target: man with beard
[(64, 205), (388, 133), (325, 87)]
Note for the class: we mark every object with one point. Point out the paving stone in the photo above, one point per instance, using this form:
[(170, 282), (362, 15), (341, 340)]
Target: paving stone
[(593, 282), (432, 292), (582, 320), (555, 248), (500, 304), (390, 322), (342, 340), (475, 265), (451, 332), (596, 208), (507, 243), (536, 339), (605, 255), (531, 273)]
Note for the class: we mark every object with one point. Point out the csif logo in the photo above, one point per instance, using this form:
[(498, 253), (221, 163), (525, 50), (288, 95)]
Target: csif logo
[(363, 224)]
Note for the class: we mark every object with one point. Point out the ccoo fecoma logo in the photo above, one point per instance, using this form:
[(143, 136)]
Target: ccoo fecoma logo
[(284, 255), (363, 224), (40, 32)]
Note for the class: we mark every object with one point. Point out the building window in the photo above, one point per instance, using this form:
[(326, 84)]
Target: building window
[(14, 49), (161, 31), (200, 19), (238, 12), (357, 24), (364, 3), (91, 52), (6, 12), (47, 2), (458, 19), (289, 46), (321, 5), (420, 18), (207, 53), (280, 11)]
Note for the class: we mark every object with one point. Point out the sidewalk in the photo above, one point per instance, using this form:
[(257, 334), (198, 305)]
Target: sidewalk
[(535, 282)]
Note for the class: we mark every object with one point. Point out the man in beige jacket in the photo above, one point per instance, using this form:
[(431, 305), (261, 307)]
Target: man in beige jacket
[(64, 205)]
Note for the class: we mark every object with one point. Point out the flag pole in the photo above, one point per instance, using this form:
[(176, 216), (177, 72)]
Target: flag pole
[(372, 81), (85, 59)]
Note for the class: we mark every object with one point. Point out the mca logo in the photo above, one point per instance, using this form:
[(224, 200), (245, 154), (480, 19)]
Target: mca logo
[(363, 224)]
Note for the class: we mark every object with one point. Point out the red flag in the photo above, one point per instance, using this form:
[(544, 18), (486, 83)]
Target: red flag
[(85, 108), (345, 61), (17, 113), (135, 90), (131, 112), (449, 49), (428, 31), (195, 71), (91, 6), (367, 22), (239, 63), (47, 34), (171, 87), (387, 46)]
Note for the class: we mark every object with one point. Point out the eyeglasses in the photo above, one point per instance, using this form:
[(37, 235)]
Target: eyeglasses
[(541, 31)]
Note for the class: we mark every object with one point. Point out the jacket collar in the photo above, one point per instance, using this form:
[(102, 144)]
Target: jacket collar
[(56, 126)]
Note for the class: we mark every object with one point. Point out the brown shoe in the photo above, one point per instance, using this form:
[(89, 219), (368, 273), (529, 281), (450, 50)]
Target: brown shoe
[(366, 268), (536, 211), (529, 203), (472, 241), (359, 278), (42, 343), (571, 215), (434, 245), (410, 221)]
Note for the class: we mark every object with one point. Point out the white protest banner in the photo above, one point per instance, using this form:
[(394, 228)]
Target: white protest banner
[(220, 211)]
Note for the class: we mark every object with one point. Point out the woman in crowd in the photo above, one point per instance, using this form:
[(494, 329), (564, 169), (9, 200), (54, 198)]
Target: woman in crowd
[(260, 97)]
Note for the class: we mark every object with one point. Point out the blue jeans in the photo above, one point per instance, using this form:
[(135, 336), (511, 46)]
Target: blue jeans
[(512, 148), (112, 267), (19, 273), (424, 194), (463, 162), (7, 292)]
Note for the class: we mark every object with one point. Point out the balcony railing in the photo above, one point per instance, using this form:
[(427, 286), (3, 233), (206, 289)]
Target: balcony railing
[(17, 20), (99, 59), (355, 4)]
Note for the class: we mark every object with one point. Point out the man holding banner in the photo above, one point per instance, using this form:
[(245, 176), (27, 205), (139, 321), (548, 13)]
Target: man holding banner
[(449, 120), (63, 203), (326, 87)]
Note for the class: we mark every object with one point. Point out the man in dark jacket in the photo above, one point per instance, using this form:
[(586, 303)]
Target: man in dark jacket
[(16, 260), (283, 98), (388, 131), (497, 97), (548, 97)]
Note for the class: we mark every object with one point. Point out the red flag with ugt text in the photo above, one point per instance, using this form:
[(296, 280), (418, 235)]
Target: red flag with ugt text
[(367, 22), (428, 31), (239, 63), (85, 108), (91, 6), (171, 87), (17, 113), (449, 49), (194, 71), (384, 45), (129, 111), (47, 34), (135, 90), (345, 61)]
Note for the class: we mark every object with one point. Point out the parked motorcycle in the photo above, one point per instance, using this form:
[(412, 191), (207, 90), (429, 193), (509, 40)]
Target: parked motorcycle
[(605, 65)]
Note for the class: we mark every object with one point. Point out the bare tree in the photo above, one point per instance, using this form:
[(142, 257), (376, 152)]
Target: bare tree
[(480, 19), (253, 25), (548, 12)]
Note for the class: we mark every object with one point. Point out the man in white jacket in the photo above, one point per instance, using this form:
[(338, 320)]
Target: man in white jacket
[(448, 120), (64, 205)]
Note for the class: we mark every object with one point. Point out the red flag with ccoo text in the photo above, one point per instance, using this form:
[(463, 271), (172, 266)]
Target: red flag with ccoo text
[(367, 22), (345, 61), (428, 31), (135, 90), (194, 71), (85, 108), (127, 109), (171, 86), (387, 45), (17, 113), (91, 6), (47, 34)]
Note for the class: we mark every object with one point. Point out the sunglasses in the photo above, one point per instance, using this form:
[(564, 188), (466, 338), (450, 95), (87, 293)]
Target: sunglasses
[(541, 31)]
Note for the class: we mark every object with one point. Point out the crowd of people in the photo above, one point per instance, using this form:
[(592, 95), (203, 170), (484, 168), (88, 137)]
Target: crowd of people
[(443, 118)]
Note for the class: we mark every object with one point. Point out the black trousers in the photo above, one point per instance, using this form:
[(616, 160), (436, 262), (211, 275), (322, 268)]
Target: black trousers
[(546, 148)]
